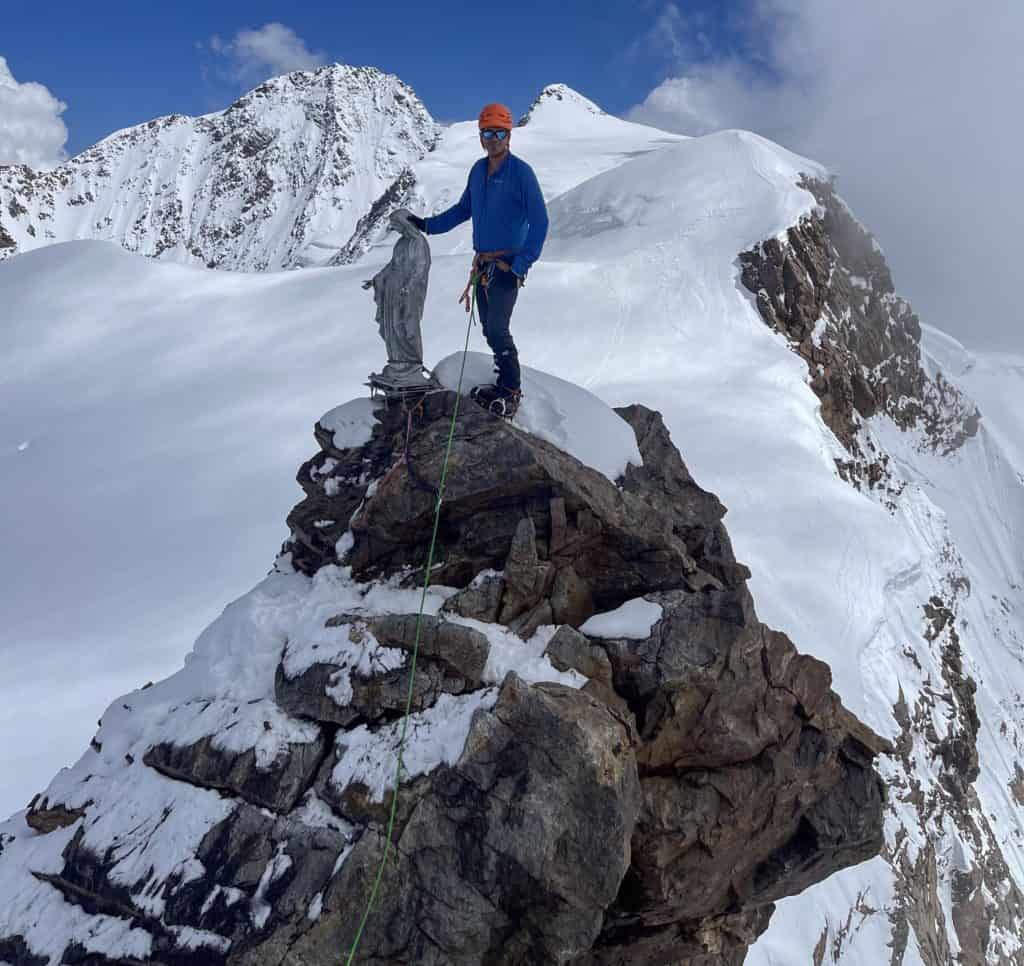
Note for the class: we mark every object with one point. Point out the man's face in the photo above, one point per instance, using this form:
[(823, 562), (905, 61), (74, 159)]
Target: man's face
[(495, 147)]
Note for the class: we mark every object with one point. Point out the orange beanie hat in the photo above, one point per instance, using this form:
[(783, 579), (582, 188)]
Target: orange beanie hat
[(496, 116)]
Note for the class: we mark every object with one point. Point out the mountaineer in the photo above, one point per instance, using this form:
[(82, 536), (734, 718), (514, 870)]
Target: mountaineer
[(510, 223)]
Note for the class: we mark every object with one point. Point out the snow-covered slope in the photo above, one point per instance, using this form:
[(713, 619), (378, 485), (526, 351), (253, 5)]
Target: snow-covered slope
[(945, 656), (994, 380), (157, 412), (565, 137), (299, 158)]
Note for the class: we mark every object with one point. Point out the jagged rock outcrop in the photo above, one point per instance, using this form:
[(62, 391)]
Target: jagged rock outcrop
[(829, 291), (985, 903), (277, 787), (729, 727), (609, 759), (451, 661), (620, 542)]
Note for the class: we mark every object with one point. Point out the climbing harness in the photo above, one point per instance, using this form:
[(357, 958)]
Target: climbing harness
[(484, 264), (471, 308)]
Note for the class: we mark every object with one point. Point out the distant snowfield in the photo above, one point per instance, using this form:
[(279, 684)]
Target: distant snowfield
[(167, 409)]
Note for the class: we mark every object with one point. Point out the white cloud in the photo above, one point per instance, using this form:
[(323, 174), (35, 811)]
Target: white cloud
[(915, 106), (31, 129), (268, 51), (674, 35)]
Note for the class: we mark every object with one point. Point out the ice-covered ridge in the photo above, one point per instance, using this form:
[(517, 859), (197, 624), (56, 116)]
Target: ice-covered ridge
[(566, 143)]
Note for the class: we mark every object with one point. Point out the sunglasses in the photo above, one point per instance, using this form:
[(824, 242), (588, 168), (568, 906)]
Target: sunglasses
[(489, 135)]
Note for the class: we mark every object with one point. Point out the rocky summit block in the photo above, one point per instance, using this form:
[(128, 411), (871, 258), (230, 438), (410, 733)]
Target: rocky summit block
[(620, 541), (752, 780), (609, 760)]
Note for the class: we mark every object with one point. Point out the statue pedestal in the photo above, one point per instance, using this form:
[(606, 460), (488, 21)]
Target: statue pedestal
[(400, 290), (402, 377)]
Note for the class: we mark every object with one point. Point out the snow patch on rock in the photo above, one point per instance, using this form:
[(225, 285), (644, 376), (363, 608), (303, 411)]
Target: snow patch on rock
[(433, 737), (633, 620), (351, 424)]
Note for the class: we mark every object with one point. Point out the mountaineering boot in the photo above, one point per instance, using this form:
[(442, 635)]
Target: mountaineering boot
[(497, 399), (484, 395), (505, 402)]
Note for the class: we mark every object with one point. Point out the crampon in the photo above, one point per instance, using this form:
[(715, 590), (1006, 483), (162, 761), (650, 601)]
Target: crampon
[(497, 400)]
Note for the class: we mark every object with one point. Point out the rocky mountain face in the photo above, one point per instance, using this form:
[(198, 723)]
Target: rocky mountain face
[(299, 158), (610, 759), (829, 291)]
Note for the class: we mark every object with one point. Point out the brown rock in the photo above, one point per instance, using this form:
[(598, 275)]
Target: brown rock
[(869, 359), (45, 817), (526, 577), (569, 649), (481, 600), (571, 600)]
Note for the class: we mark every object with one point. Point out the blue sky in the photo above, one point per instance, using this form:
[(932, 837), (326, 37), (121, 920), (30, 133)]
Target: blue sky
[(131, 62)]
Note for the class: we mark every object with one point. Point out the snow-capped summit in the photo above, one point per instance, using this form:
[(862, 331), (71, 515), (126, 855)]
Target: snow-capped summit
[(558, 100), (302, 155)]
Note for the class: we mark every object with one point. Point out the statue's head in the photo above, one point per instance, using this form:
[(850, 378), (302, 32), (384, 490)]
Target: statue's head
[(399, 221)]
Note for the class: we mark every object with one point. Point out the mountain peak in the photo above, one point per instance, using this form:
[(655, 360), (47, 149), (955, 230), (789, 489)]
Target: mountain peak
[(558, 98), (300, 156), (345, 79)]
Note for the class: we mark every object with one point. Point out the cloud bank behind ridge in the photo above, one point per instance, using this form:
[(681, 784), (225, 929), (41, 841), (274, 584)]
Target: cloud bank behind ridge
[(31, 129), (914, 106)]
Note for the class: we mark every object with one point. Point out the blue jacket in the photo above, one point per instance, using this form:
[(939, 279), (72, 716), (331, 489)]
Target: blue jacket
[(507, 209)]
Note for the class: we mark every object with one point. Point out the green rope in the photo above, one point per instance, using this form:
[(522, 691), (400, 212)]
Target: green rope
[(416, 642)]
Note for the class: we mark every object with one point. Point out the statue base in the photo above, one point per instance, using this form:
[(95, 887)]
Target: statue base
[(399, 380)]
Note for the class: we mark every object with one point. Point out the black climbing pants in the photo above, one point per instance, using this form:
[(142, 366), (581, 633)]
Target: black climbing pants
[(495, 302)]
